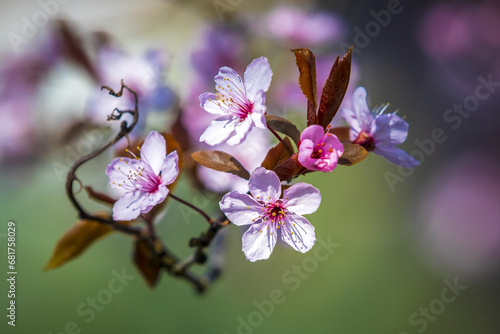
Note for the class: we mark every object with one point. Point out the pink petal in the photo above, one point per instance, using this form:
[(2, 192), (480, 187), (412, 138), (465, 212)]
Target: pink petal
[(128, 207), (361, 109), (210, 102), (218, 130), (258, 243), (170, 168), (259, 119), (351, 119), (315, 133), (258, 77), (306, 149), (152, 199), (241, 130), (240, 209), (396, 156), (119, 169), (390, 129), (265, 185), (302, 198), (228, 80), (153, 151), (303, 237)]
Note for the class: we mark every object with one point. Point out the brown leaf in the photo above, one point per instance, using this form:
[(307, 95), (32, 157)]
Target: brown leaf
[(306, 62), (284, 126), (147, 262), (353, 153), (342, 132), (278, 154), (77, 239), (221, 162), (335, 89), (288, 168)]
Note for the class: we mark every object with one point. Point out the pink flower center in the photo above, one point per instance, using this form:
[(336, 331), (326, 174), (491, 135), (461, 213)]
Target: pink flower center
[(234, 101), (140, 177), (276, 212), (320, 152), (366, 140)]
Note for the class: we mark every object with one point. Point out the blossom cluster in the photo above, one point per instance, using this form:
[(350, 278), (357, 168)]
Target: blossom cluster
[(273, 207)]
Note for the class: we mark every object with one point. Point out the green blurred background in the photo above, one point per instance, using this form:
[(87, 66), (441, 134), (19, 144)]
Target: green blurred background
[(386, 266)]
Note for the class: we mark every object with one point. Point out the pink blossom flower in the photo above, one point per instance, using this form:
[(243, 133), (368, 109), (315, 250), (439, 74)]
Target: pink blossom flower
[(270, 217), (144, 180), (319, 151), (376, 131), (241, 104)]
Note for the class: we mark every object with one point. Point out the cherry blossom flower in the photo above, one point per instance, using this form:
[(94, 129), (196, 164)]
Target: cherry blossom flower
[(144, 180), (376, 131), (239, 103), (271, 218), (319, 151)]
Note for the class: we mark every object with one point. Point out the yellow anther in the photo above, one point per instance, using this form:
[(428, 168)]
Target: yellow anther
[(121, 159), (320, 151), (292, 232), (260, 231), (248, 207), (274, 214), (322, 144)]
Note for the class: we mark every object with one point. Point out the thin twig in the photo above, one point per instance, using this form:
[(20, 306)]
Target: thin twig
[(195, 208)]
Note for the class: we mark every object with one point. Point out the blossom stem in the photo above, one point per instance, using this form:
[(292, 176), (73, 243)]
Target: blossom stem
[(195, 208), (275, 134)]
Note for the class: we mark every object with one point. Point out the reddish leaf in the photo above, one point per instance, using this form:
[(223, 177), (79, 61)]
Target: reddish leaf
[(284, 126), (306, 62), (147, 263), (342, 132), (335, 89), (77, 239), (353, 153), (221, 162), (288, 168), (278, 154)]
